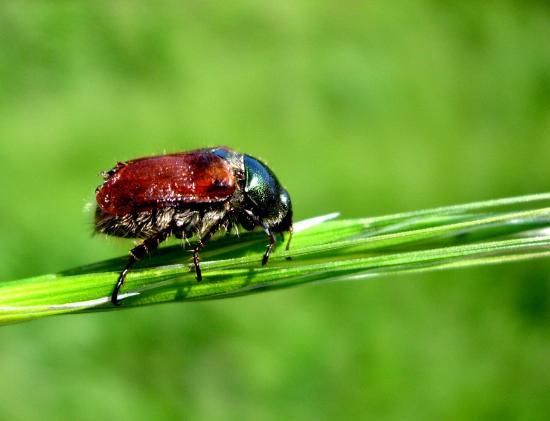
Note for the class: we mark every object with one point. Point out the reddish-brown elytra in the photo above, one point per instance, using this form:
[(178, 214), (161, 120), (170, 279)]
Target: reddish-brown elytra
[(189, 194)]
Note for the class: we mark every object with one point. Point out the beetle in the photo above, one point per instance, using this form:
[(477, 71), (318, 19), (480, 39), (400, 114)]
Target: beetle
[(189, 194)]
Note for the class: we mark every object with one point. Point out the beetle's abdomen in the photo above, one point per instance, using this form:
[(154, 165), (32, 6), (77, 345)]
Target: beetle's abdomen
[(145, 224), (167, 180)]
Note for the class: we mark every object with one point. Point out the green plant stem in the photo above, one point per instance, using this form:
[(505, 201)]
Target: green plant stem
[(478, 233)]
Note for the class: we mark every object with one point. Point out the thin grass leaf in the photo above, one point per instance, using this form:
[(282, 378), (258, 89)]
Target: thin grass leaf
[(323, 249)]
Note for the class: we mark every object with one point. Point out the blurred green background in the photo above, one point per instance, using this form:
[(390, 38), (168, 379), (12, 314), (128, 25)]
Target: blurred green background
[(365, 108)]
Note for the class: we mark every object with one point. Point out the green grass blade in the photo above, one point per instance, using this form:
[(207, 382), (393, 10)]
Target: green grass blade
[(480, 233)]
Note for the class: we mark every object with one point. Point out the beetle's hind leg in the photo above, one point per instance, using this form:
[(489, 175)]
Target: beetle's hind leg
[(137, 253)]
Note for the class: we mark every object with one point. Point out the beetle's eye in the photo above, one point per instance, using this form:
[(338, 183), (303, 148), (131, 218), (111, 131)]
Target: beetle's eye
[(285, 199)]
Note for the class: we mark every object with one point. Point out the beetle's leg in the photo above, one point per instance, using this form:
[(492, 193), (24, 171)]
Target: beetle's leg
[(272, 238), (121, 278), (196, 259), (201, 243), (272, 242), (136, 254)]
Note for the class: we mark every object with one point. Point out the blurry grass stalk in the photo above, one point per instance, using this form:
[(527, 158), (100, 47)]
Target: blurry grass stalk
[(323, 249)]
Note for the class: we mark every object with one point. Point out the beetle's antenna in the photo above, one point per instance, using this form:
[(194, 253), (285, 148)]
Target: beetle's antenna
[(290, 231)]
